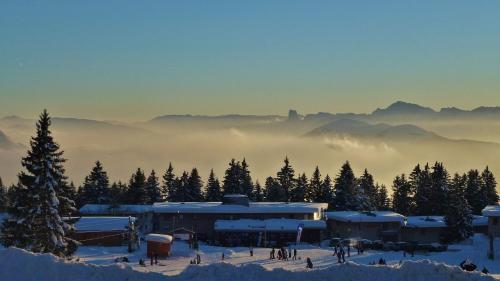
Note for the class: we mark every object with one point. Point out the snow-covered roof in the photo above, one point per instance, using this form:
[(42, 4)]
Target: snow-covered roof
[(267, 225), (438, 221), (254, 207), (159, 238), (102, 209), (102, 223), (375, 216), (491, 211)]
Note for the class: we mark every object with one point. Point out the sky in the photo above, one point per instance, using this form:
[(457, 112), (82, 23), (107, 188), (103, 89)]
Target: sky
[(134, 60)]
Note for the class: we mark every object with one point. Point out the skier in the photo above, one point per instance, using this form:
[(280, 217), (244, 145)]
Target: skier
[(309, 263)]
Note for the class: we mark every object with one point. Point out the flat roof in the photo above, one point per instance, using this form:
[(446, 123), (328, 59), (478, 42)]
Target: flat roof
[(438, 221), (375, 216), (102, 223), (254, 207), (268, 225), (97, 209)]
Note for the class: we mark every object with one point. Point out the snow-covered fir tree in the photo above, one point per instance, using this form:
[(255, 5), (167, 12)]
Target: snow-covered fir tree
[(274, 191), (313, 192), (213, 191), (458, 216), (232, 179), (473, 192), (34, 212), (367, 192), (439, 189), (246, 179), (326, 191), (421, 183), (382, 201), (258, 192), (153, 188), (346, 195), (489, 187)]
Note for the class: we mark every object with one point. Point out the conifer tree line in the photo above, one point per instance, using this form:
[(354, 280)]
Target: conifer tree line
[(43, 197)]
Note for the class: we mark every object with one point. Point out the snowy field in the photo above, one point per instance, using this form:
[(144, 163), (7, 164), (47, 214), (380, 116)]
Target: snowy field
[(98, 263)]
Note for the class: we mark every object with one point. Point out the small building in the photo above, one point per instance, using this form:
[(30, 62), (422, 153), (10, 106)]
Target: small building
[(492, 212), (376, 225), (142, 213), (159, 245), (102, 231), (430, 229), (269, 232)]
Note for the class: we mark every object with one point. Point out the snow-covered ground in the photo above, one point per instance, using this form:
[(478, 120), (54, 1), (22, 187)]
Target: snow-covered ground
[(98, 263), (474, 250)]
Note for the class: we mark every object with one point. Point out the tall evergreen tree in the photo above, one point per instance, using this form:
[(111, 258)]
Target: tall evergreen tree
[(232, 179), (15, 232), (367, 192), (70, 193), (313, 193), (258, 193), (213, 190), (245, 179), (137, 189), (181, 188), (458, 216), (118, 193), (153, 188), (345, 190), (423, 193), (326, 190), (40, 197), (401, 196), (382, 202), (168, 187), (3, 196), (194, 187), (95, 188), (298, 193), (286, 178), (439, 189), (473, 192), (488, 187), (274, 191)]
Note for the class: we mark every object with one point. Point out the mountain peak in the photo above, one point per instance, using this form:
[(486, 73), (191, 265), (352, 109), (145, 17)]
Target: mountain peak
[(401, 107)]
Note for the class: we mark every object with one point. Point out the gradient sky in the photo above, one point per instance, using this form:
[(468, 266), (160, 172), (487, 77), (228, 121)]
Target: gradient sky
[(133, 60)]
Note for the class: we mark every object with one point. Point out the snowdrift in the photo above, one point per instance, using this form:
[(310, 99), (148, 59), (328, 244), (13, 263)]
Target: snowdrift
[(16, 264)]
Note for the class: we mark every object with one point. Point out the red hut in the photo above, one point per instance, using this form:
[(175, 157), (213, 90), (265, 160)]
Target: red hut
[(159, 244)]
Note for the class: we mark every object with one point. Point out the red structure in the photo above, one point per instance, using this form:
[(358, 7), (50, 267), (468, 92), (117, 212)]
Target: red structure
[(159, 244)]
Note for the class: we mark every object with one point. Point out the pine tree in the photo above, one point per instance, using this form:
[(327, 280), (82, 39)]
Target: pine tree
[(458, 216), (245, 179), (40, 196), (423, 193), (95, 188), (326, 190), (194, 186), (382, 202), (473, 193), (15, 232), (313, 193), (3, 197), (118, 192), (153, 188), (298, 194), (439, 189), (367, 192), (137, 189), (232, 181), (168, 188), (274, 191), (401, 196), (67, 206), (345, 190), (181, 188), (258, 193), (286, 178), (488, 187), (213, 193)]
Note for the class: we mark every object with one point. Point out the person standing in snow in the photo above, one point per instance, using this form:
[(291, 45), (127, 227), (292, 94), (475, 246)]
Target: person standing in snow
[(309, 263), (251, 251), (339, 257), (348, 250), (222, 256), (198, 259), (295, 254), (271, 254), (156, 258)]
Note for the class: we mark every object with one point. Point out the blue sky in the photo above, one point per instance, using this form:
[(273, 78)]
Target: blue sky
[(137, 59)]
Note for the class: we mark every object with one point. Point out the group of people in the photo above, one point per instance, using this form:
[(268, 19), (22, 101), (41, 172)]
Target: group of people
[(283, 254), (339, 251), (196, 260)]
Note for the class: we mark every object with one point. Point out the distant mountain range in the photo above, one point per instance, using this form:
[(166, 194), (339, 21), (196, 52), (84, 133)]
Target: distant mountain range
[(6, 143)]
